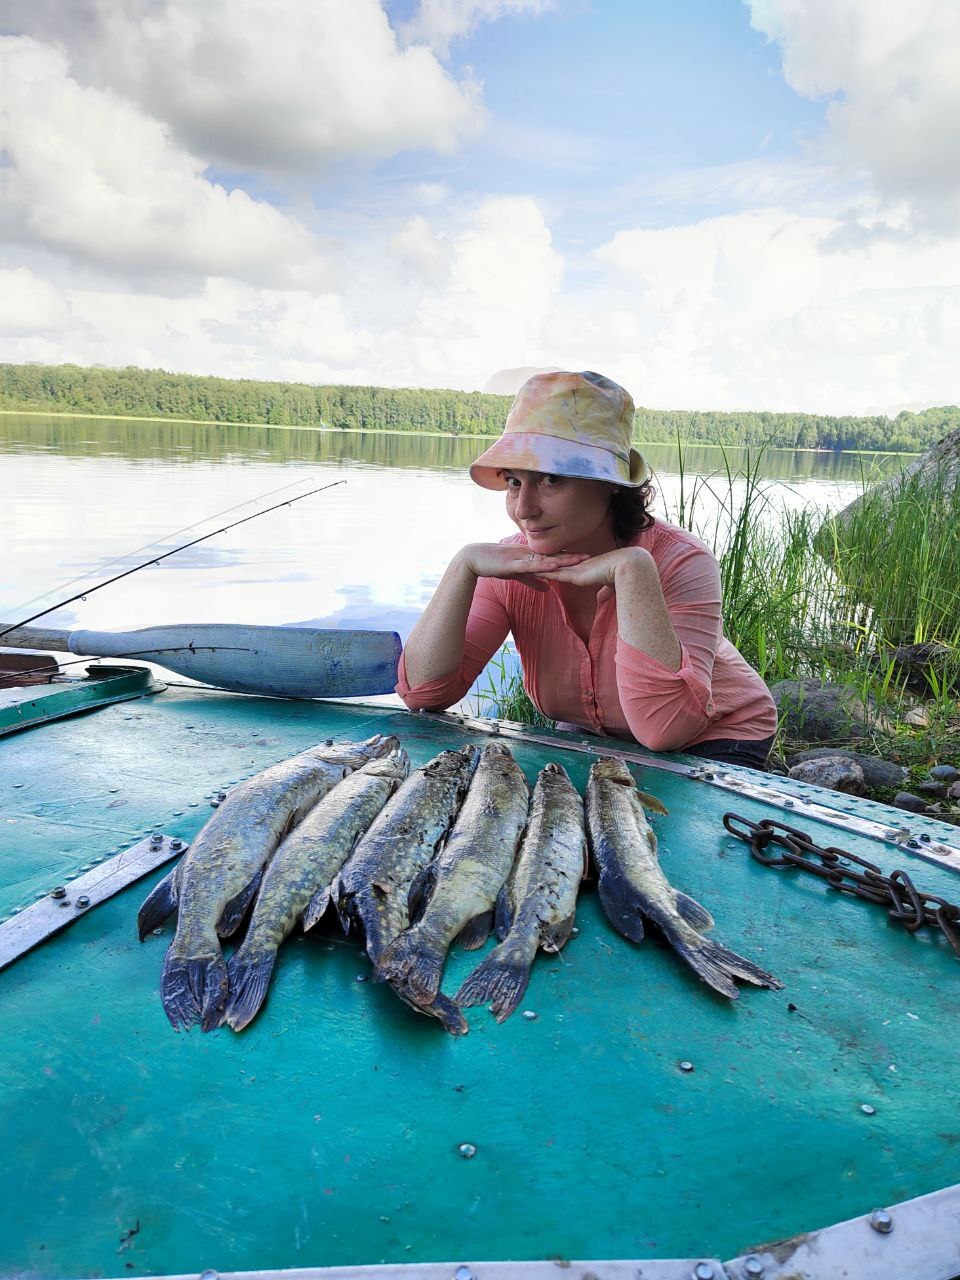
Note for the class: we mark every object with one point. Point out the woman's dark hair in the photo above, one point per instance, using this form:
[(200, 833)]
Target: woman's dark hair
[(630, 511)]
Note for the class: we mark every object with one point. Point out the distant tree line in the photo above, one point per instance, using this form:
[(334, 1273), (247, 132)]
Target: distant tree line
[(153, 393)]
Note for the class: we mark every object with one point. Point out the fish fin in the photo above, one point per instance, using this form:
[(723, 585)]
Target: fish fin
[(448, 1014), (315, 908), (717, 967), (194, 989), (345, 902), (503, 912), (413, 967), (651, 802), (232, 915), (421, 888), (248, 981), (476, 931), (556, 936), (691, 911), (501, 978), (619, 901), (158, 905)]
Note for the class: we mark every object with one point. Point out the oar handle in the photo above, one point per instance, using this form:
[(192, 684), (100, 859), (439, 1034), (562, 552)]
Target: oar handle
[(34, 638)]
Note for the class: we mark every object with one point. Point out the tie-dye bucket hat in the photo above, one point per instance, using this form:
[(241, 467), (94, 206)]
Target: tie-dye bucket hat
[(566, 424)]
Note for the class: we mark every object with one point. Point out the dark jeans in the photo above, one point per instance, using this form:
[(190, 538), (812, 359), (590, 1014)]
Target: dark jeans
[(752, 755)]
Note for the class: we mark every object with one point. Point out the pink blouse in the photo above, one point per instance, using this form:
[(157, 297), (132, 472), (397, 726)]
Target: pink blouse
[(607, 686)]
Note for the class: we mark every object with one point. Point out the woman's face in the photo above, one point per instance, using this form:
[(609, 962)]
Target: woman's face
[(560, 513)]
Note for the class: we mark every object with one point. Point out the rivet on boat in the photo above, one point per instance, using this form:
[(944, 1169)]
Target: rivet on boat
[(704, 1271), (530, 1015), (361, 977), (574, 931), (463, 1273), (82, 901), (685, 1066), (867, 1110), (789, 804), (178, 813), (467, 1150), (924, 836), (156, 838), (221, 795), (176, 844), (881, 1221), (328, 742), (210, 1275), (157, 931), (58, 892), (753, 1267), (214, 804), (913, 844)]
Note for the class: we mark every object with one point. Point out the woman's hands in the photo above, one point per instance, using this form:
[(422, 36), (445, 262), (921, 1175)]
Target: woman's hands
[(601, 571), (506, 560)]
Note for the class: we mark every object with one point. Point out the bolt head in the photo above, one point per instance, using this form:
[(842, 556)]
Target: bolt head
[(867, 1109), (176, 844), (529, 1015), (58, 892), (463, 1273), (83, 901), (686, 1067), (704, 1271), (467, 1150), (210, 1275), (881, 1221), (753, 1267)]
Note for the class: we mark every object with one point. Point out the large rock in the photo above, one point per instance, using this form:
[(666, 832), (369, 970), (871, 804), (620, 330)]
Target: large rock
[(815, 712), (878, 774), (839, 773), (941, 462)]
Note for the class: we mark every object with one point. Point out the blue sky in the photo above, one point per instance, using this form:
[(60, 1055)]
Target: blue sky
[(723, 204)]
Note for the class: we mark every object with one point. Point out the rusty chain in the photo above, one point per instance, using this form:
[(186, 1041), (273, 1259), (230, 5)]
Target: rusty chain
[(905, 903)]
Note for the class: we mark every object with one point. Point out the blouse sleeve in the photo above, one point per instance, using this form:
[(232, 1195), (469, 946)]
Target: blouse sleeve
[(487, 626), (667, 709)]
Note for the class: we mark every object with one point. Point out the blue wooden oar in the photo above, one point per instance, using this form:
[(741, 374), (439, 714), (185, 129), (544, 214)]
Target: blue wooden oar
[(290, 662)]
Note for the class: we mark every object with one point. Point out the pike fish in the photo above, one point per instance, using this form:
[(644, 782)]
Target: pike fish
[(373, 890), (297, 880), (461, 884), (536, 906), (223, 866), (632, 886)]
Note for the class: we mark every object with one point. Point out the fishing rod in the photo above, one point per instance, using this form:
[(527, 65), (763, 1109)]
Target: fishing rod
[(82, 595), (156, 542)]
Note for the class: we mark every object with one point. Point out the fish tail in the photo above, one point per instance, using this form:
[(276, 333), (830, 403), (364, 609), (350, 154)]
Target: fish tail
[(717, 967), (248, 979), (193, 989), (412, 965), (315, 908), (501, 978), (158, 906)]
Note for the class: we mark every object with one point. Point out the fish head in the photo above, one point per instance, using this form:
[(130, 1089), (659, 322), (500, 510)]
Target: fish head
[(449, 763), (396, 765), (611, 769)]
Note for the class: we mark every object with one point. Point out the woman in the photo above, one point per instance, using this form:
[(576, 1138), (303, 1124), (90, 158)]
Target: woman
[(615, 614)]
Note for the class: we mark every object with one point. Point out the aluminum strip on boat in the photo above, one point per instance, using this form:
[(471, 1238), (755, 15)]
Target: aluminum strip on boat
[(66, 903), (910, 838), (919, 1239)]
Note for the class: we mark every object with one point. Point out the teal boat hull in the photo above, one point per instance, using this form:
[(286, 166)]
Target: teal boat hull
[(333, 1131)]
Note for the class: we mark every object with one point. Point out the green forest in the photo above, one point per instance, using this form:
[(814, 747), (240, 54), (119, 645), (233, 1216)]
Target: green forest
[(153, 393)]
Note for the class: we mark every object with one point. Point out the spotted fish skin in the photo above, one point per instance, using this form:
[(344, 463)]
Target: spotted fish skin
[(373, 888), (537, 905), (632, 886), (299, 875), (228, 854), (464, 878)]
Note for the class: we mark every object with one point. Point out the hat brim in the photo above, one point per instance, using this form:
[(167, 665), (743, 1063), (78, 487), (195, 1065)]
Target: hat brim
[(551, 455)]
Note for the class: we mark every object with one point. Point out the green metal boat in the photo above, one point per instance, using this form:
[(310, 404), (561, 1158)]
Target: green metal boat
[(629, 1123)]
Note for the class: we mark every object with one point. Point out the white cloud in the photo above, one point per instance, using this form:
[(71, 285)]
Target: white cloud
[(748, 311), (287, 89), (895, 69), (30, 304), (440, 22), (92, 177)]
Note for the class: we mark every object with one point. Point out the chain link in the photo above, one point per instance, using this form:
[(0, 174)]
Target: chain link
[(905, 903)]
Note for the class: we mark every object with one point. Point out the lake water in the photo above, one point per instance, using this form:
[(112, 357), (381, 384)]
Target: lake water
[(83, 497)]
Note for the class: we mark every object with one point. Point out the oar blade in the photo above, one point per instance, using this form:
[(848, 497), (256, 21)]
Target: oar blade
[(288, 662)]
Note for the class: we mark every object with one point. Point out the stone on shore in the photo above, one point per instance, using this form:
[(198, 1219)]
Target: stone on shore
[(838, 773), (878, 774), (812, 711)]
